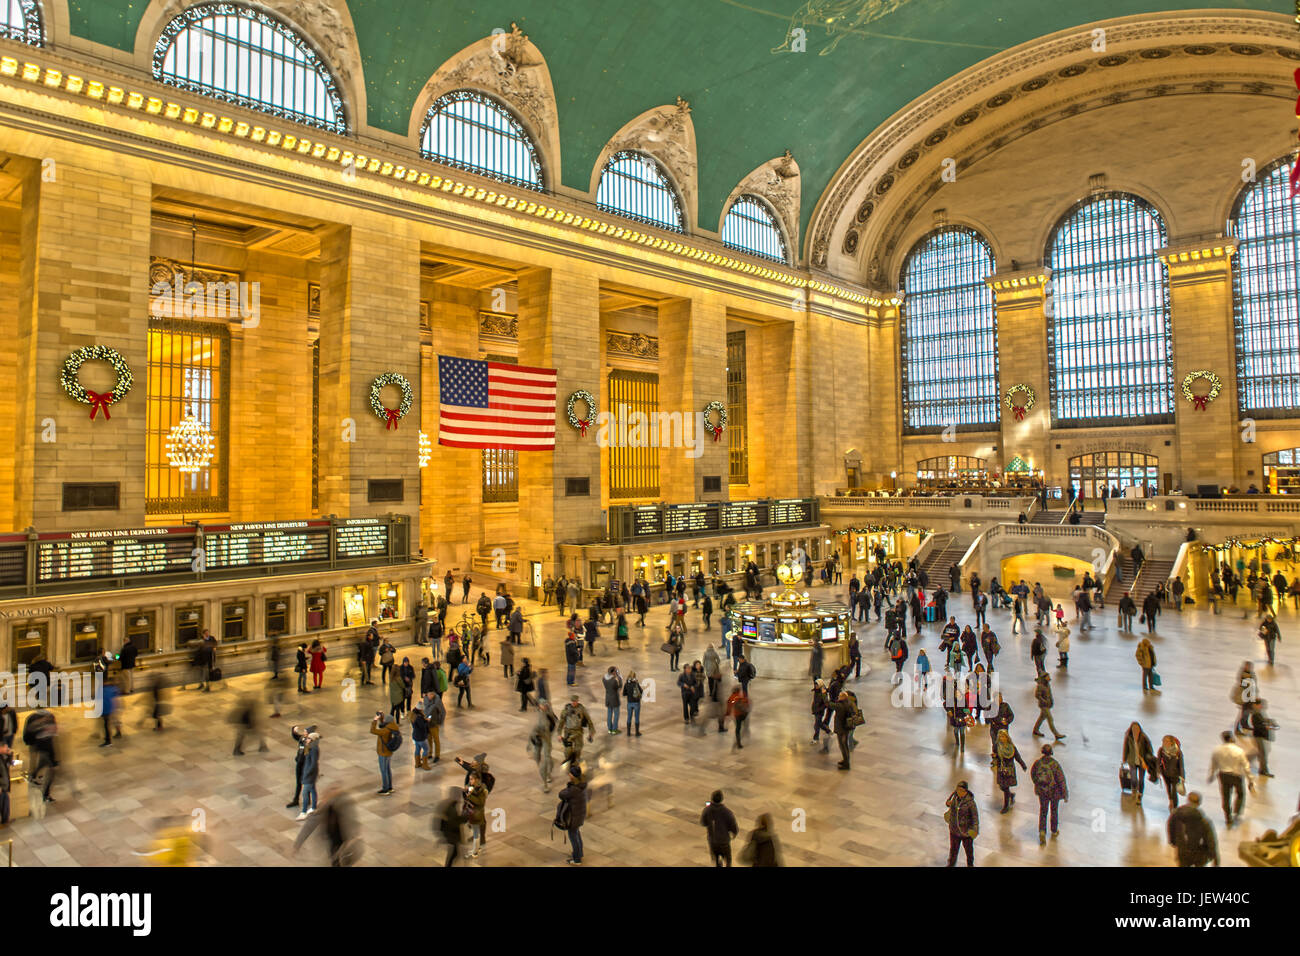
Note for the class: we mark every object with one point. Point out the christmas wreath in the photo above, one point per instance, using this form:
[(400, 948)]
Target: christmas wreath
[(1019, 410), (581, 424), (96, 400), (715, 429), (1200, 401), (391, 416)]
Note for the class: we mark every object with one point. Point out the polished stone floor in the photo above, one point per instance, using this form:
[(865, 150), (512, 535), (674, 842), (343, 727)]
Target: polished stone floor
[(648, 791)]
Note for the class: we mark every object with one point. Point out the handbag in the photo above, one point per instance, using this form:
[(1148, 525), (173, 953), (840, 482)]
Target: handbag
[(1155, 678), (1181, 787), (668, 647)]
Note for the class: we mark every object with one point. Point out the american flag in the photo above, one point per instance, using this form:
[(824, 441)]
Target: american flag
[(495, 405)]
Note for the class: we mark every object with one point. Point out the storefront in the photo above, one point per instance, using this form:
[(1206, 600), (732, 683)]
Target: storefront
[(1282, 472), (1116, 470)]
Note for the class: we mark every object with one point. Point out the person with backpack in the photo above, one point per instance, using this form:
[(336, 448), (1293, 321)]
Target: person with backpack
[(745, 672), (1270, 635), (989, 645), (1051, 789), (720, 825), (436, 631), (461, 680), (843, 711), (738, 709), (574, 719), (963, 819), (539, 742), (633, 692), (389, 738), (435, 712), (571, 813)]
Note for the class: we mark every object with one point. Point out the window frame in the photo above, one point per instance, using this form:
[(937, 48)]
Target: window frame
[(905, 341), (511, 118), (645, 160), (771, 220), (1274, 294), (1134, 370), (32, 31), (312, 60)]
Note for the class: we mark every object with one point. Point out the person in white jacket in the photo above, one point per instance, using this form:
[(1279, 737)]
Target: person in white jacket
[(1228, 762)]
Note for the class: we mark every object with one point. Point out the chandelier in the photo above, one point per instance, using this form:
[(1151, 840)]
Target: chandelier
[(426, 450), (189, 445)]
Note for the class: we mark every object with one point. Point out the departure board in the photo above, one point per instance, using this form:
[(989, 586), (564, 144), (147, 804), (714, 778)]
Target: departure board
[(361, 538), (66, 556), (647, 521), (686, 519), (13, 559), (240, 545), (744, 514), (793, 511)]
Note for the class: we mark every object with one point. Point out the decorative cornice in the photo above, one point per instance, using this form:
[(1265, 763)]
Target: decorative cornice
[(498, 325), (634, 344), (1191, 253), (169, 271)]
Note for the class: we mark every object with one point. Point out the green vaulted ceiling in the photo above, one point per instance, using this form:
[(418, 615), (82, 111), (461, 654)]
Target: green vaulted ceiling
[(610, 61)]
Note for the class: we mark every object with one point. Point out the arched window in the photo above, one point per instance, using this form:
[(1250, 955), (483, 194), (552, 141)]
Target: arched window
[(1266, 295), (751, 226), (472, 131), (249, 58), (1110, 357), (949, 333), (21, 20), (634, 185)]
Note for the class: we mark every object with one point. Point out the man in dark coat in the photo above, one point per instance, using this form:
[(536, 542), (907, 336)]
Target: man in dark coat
[(1191, 833), (1150, 608), (1050, 786), (720, 823), (963, 819), (575, 795), (842, 709)]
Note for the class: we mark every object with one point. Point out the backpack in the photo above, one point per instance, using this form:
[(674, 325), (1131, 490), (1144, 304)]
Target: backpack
[(634, 692), (393, 740), (571, 719), (563, 815), (740, 707), (855, 715), (440, 676)]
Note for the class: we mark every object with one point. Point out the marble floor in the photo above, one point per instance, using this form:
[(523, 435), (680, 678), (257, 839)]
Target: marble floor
[(647, 792)]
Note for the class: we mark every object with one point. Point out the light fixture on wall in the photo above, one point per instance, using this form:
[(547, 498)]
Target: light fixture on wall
[(189, 446)]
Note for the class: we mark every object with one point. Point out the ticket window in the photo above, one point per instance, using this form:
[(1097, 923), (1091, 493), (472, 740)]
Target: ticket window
[(389, 601), (277, 616), (87, 639), (189, 625), (729, 559), (815, 549), (715, 563), (30, 642), (141, 628), (602, 574), (355, 598), (860, 547), (318, 612), (234, 621)]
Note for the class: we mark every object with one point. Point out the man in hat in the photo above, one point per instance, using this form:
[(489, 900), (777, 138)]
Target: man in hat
[(573, 719)]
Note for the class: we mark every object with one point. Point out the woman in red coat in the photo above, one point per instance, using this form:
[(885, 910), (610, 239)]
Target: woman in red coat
[(317, 668)]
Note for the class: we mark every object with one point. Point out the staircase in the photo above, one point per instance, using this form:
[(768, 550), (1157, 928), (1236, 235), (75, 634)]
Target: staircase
[(1123, 579), (937, 563), (1059, 517), (1154, 570)]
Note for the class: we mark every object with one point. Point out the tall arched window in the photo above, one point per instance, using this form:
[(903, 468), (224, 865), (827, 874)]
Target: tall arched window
[(634, 185), (1266, 295), (472, 131), (21, 20), (249, 58), (751, 226), (949, 333), (1110, 356)]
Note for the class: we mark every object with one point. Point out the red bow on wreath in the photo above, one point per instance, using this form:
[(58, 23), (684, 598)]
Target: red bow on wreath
[(98, 401), (717, 434), (1199, 402), (1020, 412), (582, 427), (393, 415)]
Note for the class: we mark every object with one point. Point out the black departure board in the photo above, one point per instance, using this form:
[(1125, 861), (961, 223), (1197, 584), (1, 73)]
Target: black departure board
[(647, 521), (792, 511), (688, 519), (278, 542), (361, 538), (70, 555), (744, 514), (13, 559)]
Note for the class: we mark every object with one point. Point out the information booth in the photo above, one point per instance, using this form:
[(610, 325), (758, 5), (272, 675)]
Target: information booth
[(778, 634)]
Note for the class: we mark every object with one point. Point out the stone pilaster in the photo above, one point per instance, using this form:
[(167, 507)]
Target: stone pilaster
[(1021, 299), (692, 373), (1200, 308)]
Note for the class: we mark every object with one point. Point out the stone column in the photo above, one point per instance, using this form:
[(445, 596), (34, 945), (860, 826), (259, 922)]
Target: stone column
[(692, 373), (559, 316), (369, 324), (1020, 299), (83, 280), (1207, 441), (774, 454), (883, 451)]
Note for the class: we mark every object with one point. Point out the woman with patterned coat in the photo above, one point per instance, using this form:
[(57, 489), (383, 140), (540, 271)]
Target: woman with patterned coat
[(1005, 758)]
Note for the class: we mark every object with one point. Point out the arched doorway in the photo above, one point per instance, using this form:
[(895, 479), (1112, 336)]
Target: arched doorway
[(1282, 472), (1117, 469)]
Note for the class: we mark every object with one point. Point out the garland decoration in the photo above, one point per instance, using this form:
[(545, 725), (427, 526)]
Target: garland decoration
[(881, 528), (1200, 401), (715, 429), (581, 424), (390, 416), (1020, 389), (96, 400)]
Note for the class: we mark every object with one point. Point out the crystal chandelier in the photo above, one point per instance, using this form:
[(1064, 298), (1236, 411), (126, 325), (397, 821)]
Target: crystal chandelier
[(189, 445)]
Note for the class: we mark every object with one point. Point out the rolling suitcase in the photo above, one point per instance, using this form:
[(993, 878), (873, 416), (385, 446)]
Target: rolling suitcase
[(1125, 777)]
